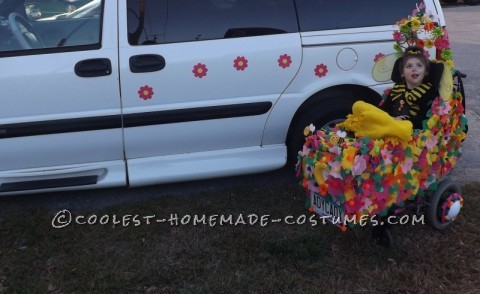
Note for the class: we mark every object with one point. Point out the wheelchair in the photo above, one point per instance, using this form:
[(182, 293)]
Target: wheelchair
[(350, 179)]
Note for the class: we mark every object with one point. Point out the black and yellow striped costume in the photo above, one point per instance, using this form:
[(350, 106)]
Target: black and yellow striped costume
[(412, 105)]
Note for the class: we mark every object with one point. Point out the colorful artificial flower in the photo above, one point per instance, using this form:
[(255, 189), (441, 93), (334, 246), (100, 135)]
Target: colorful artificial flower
[(415, 23), (378, 56), (359, 165), (397, 36), (335, 169), (437, 32), (446, 54), (420, 43), (428, 26), (348, 158), (429, 43), (441, 43)]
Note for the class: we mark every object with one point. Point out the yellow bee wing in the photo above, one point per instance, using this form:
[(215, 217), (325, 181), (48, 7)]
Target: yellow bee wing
[(382, 69)]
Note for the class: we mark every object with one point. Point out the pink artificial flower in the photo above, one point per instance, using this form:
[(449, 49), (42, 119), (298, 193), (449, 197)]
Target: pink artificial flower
[(335, 169), (444, 109), (407, 165), (378, 56), (431, 142), (387, 156), (359, 165), (442, 43)]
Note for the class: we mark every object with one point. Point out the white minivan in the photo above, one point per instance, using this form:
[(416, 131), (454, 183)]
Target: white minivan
[(140, 92)]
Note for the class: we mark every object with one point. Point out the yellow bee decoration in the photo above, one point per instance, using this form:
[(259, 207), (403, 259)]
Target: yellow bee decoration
[(309, 130), (338, 137)]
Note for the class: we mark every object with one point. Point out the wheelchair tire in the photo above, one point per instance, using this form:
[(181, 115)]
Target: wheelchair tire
[(382, 236), (433, 212)]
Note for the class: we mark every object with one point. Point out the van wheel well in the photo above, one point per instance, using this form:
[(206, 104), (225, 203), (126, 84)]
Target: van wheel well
[(321, 109)]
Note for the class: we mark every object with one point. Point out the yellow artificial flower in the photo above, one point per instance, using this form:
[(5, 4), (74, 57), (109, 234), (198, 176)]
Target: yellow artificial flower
[(433, 121), (417, 150), (429, 43), (378, 144), (450, 63), (348, 157), (415, 23), (349, 194), (426, 19)]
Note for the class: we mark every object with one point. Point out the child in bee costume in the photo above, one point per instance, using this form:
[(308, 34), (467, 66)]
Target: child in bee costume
[(406, 107)]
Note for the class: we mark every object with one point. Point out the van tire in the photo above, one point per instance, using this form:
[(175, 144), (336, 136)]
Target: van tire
[(324, 109), (471, 2)]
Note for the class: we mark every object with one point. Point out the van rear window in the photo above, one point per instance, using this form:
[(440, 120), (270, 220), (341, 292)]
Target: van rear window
[(317, 15)]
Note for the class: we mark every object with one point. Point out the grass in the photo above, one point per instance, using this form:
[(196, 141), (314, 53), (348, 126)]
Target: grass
[(276, 258)]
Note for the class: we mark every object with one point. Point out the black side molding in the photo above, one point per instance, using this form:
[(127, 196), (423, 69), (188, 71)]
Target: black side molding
[(46, 184), (37, 128)]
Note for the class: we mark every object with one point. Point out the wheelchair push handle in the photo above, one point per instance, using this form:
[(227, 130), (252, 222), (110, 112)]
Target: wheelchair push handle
[(460, 74)]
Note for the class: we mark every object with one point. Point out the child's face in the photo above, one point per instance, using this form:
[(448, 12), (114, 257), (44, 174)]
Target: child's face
[(413, 72)]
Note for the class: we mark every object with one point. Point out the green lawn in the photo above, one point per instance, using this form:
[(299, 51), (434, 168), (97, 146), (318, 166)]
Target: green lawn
[(275, 258)]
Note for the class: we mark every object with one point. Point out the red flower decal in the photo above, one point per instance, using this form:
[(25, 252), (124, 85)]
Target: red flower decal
[(200, 70), (378, 56), (284, 61), (240, 63), (145, 92), (321, 70)]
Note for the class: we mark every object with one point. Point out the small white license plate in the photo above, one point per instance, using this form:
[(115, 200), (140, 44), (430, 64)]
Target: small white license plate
[(327, 209)]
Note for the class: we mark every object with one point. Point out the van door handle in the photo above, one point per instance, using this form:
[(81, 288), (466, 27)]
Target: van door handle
[(93, 67), (146, 63)]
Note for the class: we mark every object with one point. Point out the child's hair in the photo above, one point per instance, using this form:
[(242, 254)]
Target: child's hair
[(417, 52)]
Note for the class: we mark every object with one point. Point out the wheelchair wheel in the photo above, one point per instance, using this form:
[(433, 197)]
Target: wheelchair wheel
[(444, 205), (382, 236)]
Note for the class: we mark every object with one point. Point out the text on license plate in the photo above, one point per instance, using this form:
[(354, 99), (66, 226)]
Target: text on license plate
[(323, 207)]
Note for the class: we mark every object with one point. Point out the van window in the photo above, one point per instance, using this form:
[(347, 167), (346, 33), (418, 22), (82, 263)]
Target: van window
[(317, 15), (50, 25), (164, 21)]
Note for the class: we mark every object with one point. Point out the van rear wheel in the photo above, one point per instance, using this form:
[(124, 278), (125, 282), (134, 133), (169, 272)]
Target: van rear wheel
[(328, 109)]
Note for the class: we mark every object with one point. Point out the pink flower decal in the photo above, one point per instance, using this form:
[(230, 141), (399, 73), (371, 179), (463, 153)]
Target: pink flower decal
[(321, 70), (284, 61), (200, 70), (145, 92), (378, 56), (240, 63)]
